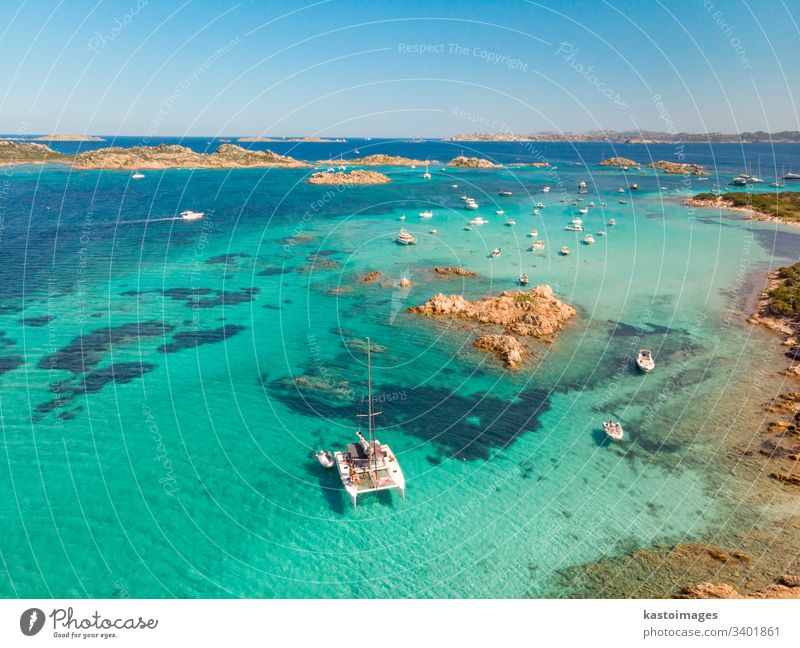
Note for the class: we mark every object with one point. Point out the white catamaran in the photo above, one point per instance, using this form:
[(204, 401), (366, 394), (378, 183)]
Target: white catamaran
[(369, 466)]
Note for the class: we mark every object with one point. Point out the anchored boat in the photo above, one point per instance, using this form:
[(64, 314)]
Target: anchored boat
[(613, 430), (369, 466), (325, 458), (645, 360)]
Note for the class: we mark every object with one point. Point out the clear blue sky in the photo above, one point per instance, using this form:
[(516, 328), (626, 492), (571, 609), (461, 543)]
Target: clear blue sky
[(403, 68)]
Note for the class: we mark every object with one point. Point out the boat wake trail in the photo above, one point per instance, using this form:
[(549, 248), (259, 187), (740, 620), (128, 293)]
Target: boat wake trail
[(150, 220)]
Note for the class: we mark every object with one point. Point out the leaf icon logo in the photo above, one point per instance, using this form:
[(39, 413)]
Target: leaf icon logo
[(31, 621)]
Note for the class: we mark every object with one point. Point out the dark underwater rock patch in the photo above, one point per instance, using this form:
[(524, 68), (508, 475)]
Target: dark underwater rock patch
[(468, 427), (42, 320), (270, 272), (183, 294), (9, 363), (226, 298), (227, 259), (86, 351), (119, 373), (202, 297), (193, 339)]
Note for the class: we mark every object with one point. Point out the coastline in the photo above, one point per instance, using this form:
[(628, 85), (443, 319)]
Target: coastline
[(762, 561), (719, 203)]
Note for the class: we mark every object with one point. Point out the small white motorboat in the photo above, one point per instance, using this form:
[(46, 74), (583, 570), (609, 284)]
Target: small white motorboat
[(499, 212), (478, 220), (534, 233), (601, 233), (137, 176), (613, 430), (620, 190), (611, 221), (468, 228), (588, 239), (495, 253), (572, 227), (325, 458), (504, 192), (537, 245), (634, 187), (510, 222), (540, 205), (470, 204), (404, 238), (535, 212), (426, 214), (583, 210), (565, 251), (546, 190), (464, 197), (523, 279), (190, 215), (645, 360), (402, 216), (591, 204), (454, 186)]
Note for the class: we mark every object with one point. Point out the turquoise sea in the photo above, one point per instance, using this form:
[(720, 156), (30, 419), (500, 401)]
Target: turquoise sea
[(162, 383)]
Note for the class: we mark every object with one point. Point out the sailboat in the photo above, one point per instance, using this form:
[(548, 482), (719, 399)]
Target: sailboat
[(757, 177), (369, 466), (426, 175)]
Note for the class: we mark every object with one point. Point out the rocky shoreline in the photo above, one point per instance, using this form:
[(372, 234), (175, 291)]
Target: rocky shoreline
[(536, 313)]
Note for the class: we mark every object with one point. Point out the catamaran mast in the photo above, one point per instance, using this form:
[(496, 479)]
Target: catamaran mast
[(371, 432)]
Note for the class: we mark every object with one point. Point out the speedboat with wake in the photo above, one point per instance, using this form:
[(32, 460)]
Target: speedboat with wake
[(190, 215)]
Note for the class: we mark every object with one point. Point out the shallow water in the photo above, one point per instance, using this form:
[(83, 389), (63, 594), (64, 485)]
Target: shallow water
[(156, 444)]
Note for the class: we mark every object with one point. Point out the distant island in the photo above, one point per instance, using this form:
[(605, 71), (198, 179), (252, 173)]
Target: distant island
[(67, 138), (355, 177), (682, 168), (308, 138), (380, 160), (629, 137), (14, 153), (472, 163), (163, 156)]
